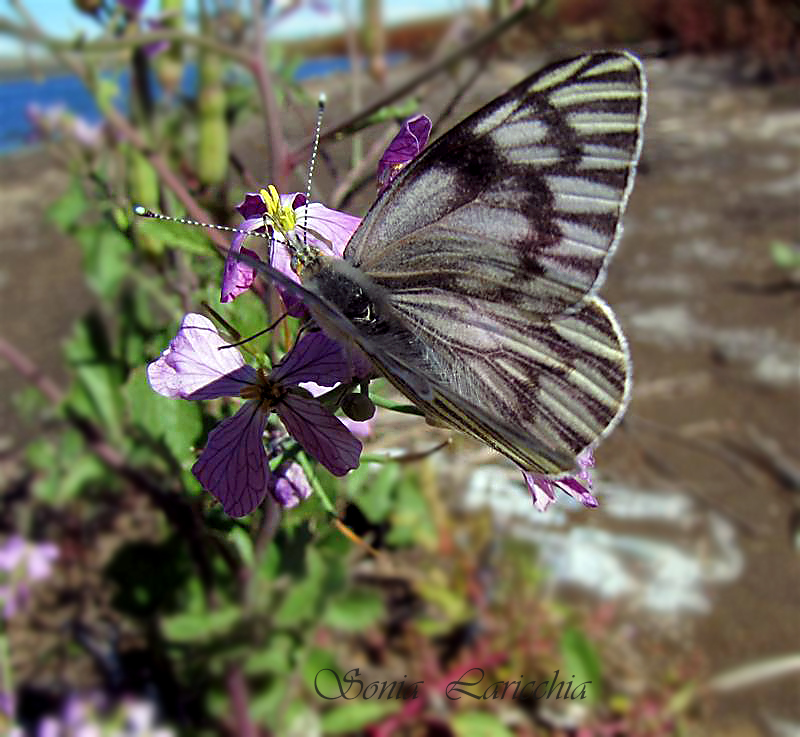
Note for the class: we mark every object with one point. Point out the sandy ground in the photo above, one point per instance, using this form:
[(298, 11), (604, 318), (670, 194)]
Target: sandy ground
[(713, 327)]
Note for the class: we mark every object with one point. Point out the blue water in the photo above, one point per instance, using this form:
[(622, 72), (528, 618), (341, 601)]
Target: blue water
[(67, 90)]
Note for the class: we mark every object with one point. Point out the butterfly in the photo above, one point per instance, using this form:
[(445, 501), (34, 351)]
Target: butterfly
[(471, 283)]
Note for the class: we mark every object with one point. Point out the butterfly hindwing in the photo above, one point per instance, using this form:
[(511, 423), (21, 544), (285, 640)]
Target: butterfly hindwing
[(564, 381)]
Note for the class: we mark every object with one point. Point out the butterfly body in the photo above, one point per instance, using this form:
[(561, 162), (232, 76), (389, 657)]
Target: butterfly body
[(471, 282)]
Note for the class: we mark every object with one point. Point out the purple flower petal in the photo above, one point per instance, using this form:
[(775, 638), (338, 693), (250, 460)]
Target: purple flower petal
[(282, 261), (543, 488), (156, 24), (233, 466), (40, 560), (252, 206), (321, 434), (289, 485), (194, 367), (315, 357), (361, 429), (336, 228), (404, 147), (12, 553), (132, 6), (237, 276)]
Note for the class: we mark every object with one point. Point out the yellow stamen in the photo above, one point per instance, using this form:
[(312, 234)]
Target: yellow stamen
[(281, 217)]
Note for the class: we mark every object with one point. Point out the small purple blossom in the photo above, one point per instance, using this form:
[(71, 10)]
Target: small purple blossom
[(289, 485), (24, 563), (56, 120), (134, 7), (543, 489), (267, 212), (404, 147), (90, 715), (234, 467)]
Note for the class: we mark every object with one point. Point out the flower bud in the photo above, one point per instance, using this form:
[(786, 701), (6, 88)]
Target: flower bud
[(358, 407)]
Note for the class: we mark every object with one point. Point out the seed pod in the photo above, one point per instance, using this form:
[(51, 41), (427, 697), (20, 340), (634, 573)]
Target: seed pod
[(212, 161), (169, 63), (144, 190)]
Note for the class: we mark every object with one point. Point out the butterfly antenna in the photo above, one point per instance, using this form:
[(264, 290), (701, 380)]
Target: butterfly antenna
[(146, 213), (320, 111), (256, 335)]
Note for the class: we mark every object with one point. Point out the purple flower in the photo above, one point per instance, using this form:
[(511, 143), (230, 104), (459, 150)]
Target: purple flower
[(24, 563), (91, 715), (404, 147), (134, 7), (267, 212), (55, 120), (543, 489), (234, 466), (289, 485)]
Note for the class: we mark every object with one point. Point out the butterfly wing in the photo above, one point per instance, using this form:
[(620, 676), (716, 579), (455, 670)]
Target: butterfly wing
[(519, 204), (564, 381), (490, 247)]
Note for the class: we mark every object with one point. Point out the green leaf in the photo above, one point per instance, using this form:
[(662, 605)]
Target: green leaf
[(107, 91), (242, 542), (412, 521), (105, 257), (82, 471), (302, 602), (377, 500), (276, 657), (69, 209), (267, 703), (479, 724), (354, 612), (201, 627), (181, 237), (581, 663), (785, 256), (101, 385), (355, 715), (270, 562), (316, 661), (176, 422)]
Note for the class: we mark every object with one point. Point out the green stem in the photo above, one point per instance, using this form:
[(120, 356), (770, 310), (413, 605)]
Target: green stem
[(305, 464)]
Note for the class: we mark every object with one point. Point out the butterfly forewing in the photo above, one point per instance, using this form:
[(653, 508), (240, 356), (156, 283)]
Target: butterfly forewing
[(521, 202)]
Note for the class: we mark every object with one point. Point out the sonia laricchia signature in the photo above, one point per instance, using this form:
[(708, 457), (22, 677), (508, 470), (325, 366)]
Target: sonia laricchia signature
[(331, 687)]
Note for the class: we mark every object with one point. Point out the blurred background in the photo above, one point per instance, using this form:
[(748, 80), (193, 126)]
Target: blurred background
[(132, 605)]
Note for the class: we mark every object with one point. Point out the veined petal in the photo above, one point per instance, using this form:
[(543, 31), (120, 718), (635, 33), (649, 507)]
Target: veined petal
[(315, 357), (543, 489), (194, 367), (252, 206), (409, 141), (282, 261), (321, 434), (237, 276), (234, 466), (336, 228)]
